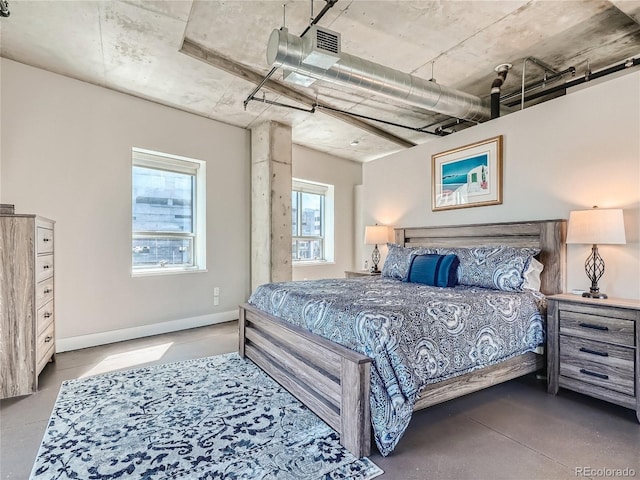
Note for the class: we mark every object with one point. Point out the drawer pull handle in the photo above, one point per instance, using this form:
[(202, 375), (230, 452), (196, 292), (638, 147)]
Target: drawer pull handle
[(594, 352), (594, 374), (47, 315), (48, 338), (46, 267), (47, 291), (46, 239), (594, 327)]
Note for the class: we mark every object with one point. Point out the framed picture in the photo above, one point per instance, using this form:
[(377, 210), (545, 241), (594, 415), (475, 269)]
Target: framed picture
[(469, 176)]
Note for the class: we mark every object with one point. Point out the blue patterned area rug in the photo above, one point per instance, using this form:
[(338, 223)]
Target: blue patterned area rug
[(213, 418)]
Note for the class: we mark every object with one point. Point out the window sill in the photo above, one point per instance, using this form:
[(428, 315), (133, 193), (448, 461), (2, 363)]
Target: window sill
[(153, 272), (312, 263)]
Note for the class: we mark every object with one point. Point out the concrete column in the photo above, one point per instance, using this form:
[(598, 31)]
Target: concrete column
[(270, 203), (358, 222)]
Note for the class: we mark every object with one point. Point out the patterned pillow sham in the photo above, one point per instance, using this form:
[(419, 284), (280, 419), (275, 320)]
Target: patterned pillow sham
[(398, 260), (499, 268)]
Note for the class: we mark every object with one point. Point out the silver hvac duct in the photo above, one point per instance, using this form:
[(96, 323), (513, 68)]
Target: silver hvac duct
[(299, 57)]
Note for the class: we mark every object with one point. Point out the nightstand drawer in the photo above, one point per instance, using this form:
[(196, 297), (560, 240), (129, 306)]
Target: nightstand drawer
[(590, 353), (599, 364), (597, 377), (596, 327), (360, 273)]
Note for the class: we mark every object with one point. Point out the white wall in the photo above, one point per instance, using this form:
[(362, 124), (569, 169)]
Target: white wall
[(344, 175), (571, 153), (1, 118), (66, 154)]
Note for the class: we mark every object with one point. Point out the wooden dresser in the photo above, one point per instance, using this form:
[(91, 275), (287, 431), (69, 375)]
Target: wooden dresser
[(593, 347), (27, 336)]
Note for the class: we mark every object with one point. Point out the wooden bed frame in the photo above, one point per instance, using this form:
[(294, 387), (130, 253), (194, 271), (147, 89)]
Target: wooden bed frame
[(333, 381)]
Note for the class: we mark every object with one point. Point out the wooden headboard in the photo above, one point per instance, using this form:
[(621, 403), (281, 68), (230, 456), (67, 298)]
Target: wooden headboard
[(548, 235)]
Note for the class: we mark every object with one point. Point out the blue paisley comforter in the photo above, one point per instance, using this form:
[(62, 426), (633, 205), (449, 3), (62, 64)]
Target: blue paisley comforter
[(416, 334)]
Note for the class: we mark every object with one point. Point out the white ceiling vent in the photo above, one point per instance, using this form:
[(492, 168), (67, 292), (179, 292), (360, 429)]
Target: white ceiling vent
[(327, 40), (325, 47)]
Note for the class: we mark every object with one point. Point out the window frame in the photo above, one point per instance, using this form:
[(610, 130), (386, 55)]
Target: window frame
[(300, 186), (197, 237)]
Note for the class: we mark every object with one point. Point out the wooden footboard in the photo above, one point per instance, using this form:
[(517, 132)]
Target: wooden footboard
[(334, 382), (330, 379)]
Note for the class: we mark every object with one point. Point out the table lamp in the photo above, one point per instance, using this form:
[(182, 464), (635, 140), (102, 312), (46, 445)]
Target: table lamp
[(596, 227), (373, 235)]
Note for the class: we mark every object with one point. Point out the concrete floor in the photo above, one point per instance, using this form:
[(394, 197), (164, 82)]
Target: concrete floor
[(511, 431)]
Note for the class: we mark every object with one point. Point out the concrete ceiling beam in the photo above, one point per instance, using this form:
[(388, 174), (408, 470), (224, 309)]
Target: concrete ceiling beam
[(221, 62)]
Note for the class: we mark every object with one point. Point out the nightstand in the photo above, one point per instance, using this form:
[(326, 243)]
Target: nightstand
[(359, 273), (593, 347)]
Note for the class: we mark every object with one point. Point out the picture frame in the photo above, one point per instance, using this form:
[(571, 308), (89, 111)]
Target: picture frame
[(468, 176)]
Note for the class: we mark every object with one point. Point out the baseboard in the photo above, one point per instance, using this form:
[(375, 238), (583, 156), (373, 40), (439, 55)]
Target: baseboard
[(103, 338)]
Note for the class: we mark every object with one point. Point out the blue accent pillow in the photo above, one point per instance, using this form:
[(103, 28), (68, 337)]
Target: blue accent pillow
[(435, 270), (398, 260)]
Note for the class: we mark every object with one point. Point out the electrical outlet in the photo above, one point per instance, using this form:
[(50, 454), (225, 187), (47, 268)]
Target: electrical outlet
[(216, 301), (216, 291)]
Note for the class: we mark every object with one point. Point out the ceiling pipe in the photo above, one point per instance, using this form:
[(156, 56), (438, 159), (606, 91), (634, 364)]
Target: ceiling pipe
[(288, 51), (539, 83), (502, 71), (314, 21), (630, 62), (547, 68)]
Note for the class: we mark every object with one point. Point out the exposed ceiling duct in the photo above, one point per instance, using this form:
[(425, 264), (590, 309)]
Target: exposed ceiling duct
[(313, 57)]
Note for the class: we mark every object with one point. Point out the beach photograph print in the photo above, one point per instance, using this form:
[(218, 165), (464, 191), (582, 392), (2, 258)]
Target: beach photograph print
[(468, 176)]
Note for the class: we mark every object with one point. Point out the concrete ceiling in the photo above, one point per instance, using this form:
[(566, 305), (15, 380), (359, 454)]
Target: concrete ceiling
[(141, 47)]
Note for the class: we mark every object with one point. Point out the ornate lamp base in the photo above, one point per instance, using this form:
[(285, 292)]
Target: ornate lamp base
[(375, 259), (594, 267)]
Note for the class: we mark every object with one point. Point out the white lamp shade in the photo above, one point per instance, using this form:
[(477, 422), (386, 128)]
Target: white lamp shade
[(596, 226), (376, 234)]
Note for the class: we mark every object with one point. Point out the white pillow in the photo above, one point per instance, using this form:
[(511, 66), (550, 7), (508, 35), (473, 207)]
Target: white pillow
[(532, 275)]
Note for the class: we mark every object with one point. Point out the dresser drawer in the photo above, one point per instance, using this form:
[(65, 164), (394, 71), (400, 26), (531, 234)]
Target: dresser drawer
[(44, 267), (595, 363), (44, 292), (595, 327), (45, 347), (44, 316), (44, 239)]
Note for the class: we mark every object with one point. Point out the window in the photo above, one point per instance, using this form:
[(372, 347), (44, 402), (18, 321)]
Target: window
[(167, 213), (311, 222)]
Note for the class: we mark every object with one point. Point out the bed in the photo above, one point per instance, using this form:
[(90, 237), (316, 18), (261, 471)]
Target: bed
[(336, 382)]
